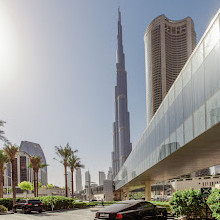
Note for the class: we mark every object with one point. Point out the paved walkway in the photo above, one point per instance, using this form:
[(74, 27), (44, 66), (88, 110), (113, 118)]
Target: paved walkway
[(79, 214)]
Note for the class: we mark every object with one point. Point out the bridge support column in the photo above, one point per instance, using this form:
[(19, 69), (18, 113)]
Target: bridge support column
[(148, 190), (126, 191)]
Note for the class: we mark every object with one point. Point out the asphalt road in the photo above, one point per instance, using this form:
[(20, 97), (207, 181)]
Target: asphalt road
[(78, 214)]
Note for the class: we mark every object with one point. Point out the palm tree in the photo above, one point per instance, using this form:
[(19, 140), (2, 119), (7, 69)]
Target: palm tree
[(11, 151), (74, 163), (64, 154), (3, 161), (40, 165), (2, 137), (34, 164)]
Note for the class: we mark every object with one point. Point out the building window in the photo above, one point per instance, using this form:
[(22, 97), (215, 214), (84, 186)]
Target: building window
[(23, 169)]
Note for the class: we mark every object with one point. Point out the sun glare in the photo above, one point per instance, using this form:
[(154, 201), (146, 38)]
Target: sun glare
[(8, 46)]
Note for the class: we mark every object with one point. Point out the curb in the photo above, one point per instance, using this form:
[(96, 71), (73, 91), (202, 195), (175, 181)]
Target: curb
[(6, 213)]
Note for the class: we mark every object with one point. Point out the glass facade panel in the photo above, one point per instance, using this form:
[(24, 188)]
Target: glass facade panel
[(179, 136), (166, 104), (178, 85), (171, 96), (172, 122), (212, 37), (186, 74), (199, 121), (179, 110), (173, 144), (213, 110), (187, 100), (198, 87), (188, 130), (197, 58), (212, 67)]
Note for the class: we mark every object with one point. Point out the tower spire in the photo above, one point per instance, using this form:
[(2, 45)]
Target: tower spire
[(120, 53)]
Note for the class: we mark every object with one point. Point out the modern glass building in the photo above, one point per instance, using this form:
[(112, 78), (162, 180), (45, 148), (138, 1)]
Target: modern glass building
[(187, 120), (22, 171), (34, 149)]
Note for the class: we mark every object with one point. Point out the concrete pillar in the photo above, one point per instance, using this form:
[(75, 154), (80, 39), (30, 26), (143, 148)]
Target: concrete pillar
[(126, 190), (148, 190)]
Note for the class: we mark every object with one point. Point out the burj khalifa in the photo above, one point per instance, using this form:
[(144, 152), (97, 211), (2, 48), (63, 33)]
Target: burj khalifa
[(121, 127)]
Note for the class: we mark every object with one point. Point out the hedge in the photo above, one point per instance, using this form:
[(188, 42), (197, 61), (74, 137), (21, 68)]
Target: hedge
[(213, 202), (8, 202), (59, 202), (189, 203), (3, 209)]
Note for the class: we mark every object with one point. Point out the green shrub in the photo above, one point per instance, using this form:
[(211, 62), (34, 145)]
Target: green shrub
[(109, 202), (25, 185), (80, 205), (7, 202), (213, 202), (59, 202), (188, 202), (3, 208)]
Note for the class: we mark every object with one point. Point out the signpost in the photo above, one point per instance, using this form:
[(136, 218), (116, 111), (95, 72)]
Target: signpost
[(205, 193)]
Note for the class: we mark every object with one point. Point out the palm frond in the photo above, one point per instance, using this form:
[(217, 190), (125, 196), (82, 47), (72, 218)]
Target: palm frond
[(11, 151)]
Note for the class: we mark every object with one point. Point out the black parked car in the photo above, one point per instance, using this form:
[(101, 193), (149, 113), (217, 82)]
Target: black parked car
[(132, 210), (27, 205)]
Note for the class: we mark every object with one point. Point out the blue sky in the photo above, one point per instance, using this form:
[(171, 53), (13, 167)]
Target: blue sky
[(57, 71)]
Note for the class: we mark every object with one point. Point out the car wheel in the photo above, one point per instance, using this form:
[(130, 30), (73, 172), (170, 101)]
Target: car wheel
[(23, 210)]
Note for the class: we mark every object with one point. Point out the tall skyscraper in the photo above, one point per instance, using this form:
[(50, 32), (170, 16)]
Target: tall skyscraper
[(102, 177), (78, 179), (109, 176), (168, 45), (121, 127), (87, 178)]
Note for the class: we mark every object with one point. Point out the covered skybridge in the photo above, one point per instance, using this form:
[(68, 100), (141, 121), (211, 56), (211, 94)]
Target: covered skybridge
[(184, 134)]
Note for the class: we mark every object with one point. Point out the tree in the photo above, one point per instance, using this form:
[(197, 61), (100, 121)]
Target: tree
[(74, 163), (2, 137), (40, 165), (34, 164), (64, 154), (11, 151), (25, 186), (50, 186), (3, 161)]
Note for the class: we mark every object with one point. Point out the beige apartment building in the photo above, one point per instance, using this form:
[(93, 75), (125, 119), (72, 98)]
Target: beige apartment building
[(168, 45), (196, 183)]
